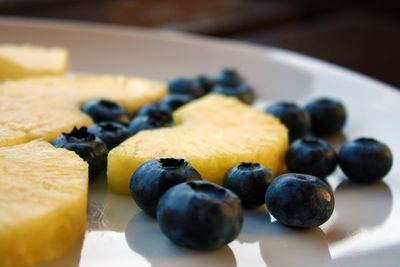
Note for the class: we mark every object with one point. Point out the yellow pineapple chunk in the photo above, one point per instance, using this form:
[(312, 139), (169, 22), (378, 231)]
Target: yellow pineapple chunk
[(22, 61), (213, 133), (43, 198), (43, 108)]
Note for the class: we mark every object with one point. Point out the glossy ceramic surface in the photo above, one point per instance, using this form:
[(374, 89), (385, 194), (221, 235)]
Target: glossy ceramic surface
[(363, 230)]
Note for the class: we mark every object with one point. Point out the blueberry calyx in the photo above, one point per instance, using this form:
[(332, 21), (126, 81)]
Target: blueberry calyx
[(79, 135), (172, 163), (249, 165)]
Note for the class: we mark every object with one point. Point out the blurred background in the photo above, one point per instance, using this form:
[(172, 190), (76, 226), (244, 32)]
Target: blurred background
[(363, 35)]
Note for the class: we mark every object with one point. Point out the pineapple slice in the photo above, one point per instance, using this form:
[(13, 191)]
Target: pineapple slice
[(22, 61), (43, 197), (213, 133), (43, 108)]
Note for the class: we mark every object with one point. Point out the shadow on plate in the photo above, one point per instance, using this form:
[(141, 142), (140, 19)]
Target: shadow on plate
[(282, 246), (144, 236), (386, 256), (359, 206)]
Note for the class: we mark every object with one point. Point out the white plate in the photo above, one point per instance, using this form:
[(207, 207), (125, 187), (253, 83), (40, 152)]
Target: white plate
[(364, 230)]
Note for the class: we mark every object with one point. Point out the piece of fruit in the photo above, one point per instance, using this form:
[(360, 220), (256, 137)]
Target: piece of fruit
[(229, 77), (175, 101), (249, 181), (43, 108), (296, 119), (143, 122), (153, 178), (313, 156), (328, 116), (89, 147), (43, 198), (299, 200), (242, 91), (365, 160), (186, 87), (156, 111), (200, 215), (112, 133), (106, 110), (204, 82), (23, 61), (213, 133)]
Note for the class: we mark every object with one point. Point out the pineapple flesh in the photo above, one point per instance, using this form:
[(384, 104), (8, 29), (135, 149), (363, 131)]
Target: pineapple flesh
[(22, 61), (43, 108), (213, 133), (43, 198)]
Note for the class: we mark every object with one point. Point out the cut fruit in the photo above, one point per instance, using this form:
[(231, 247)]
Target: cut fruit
[(22, 61), (213, 134), (43, 108), (43, 198)]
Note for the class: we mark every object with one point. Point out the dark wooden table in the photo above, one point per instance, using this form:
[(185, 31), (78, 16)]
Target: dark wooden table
[(361, 35)]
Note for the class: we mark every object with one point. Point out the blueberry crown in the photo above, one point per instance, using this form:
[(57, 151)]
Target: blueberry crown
[(248, 165), (108, 104), (109, 126), (81, 134), (172, 163)]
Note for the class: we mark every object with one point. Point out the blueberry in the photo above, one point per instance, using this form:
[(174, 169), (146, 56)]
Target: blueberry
[(186, 87), (204, 82), (242, 91), (89, 147), (328, 116), (365, 160), (175, 101), (150, 116), (299, 200), (295, 118), (311, 155), (106, 110), (154, 109), (141, 123), (200, 215), (250, 182), (112, 133), (229, 77), (150, 181)]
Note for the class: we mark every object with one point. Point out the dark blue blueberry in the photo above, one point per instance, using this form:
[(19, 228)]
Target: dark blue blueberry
[(175, 101), (150, 181), (365, 160), (313, 156), (89, 147), (229, 77), (106, 110), (112, 133), (204, 82), (151, 116), (328, 116), (299, 200), (296, 119), (140, 123), (200, 215), (242, 91), (250, 182), (154, 109), (186, 87)]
